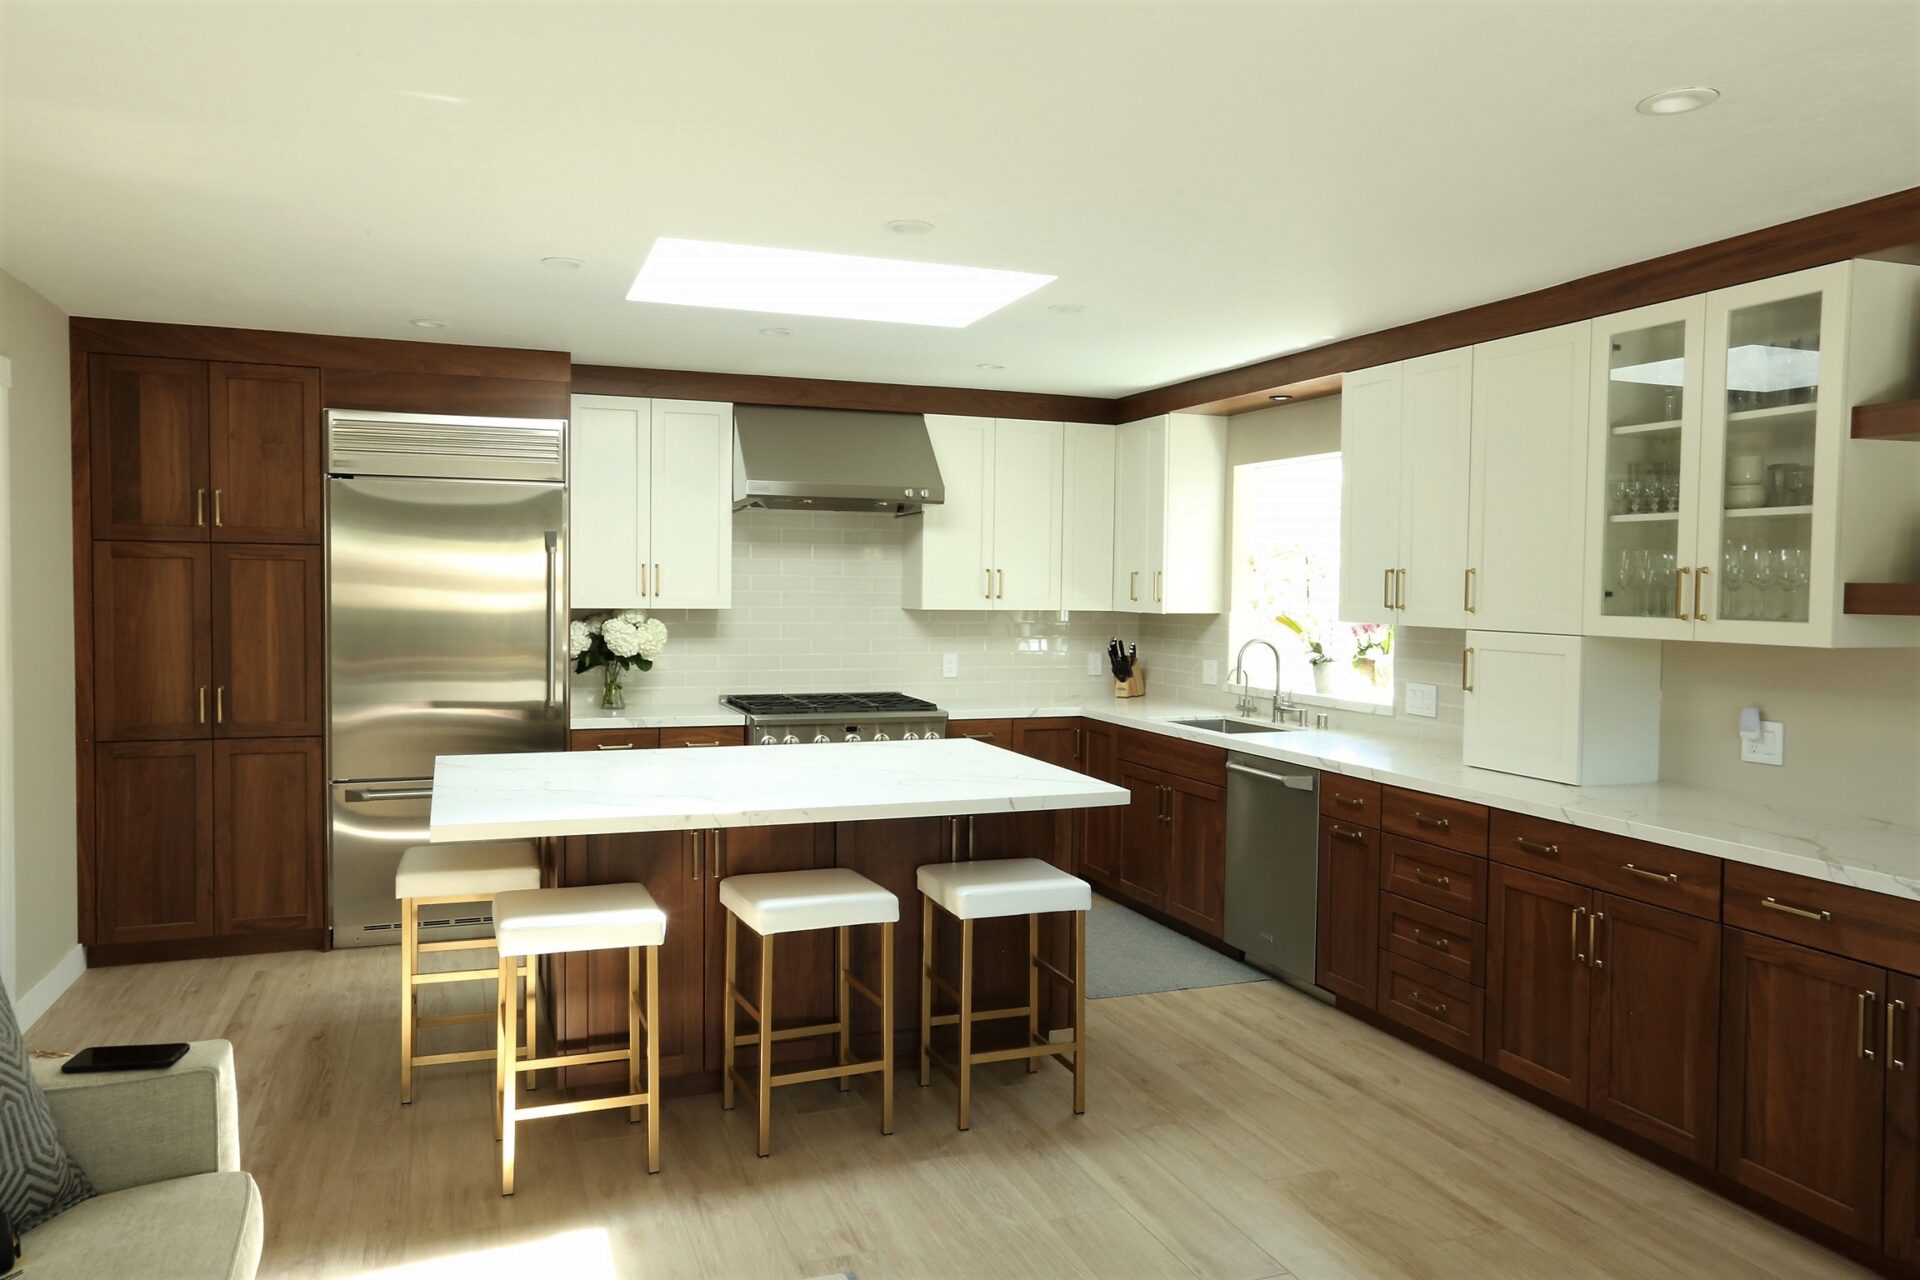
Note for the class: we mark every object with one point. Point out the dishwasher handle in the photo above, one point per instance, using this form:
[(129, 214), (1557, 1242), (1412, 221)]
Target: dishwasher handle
[(1298, 781)]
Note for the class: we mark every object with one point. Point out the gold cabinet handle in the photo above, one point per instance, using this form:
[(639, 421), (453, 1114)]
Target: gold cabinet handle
[(216, 509), (1339, 832), (1399, 588), (1158, 574), (1078, 741), (656, 580), (1534, 847), (1466, 670), (1864, 999), (988, 593), (978, 737), (1427, 877), (1386, 588), (1133, 584), (1680, 592), (1664, 877), (613, 746), (1774, 904), (203, 704), (1466, 601), (1893, 1059), (200, 508), (703, 744), (1437, 1010), (1437, 944), (1593, 939), (1001, 594), (1574, 942), (643, 581), (693, 848), (1699, 589), (1428, 820), (220, 704), (1351, 802)]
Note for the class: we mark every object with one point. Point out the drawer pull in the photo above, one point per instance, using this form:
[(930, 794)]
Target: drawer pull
[(1894, 1061), (1864, 999), (1593, 940), (1437, 944), (702, 744), (1664, 877), (1579, 956), (1427, 877), (1351, 802), (1438, 824), (613, 746), (1340, 832), (1437, 1010), (1774, 904), (1530, 846)]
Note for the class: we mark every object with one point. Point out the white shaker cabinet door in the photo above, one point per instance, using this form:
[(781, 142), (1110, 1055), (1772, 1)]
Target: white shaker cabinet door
[(608, 547), (1527, 516), (1370, 469), (949, 546), (1086, 516), (1028, 458), (1436, 440), (1190, 575), (692, 508), (1130, 518)]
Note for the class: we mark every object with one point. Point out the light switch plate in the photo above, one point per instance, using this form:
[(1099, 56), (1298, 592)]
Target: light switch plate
[(1769, 748), (950, 664), (1093, 664), (1423, 700), (1209, 671)]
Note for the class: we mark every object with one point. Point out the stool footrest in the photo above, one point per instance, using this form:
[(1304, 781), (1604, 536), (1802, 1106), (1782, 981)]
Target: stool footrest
[(457, 944), (1061, 974), (779, 1078), (442, 1059), (454, 1019), (571, 1060), (789, 1033), (873, 997), (986, 1015), (585, 1104), (487, 974)]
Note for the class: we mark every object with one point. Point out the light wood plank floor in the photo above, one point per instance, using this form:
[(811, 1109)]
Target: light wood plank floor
[(1236, 1132)]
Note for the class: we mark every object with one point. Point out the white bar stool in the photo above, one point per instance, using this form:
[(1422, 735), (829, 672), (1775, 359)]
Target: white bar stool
[(776, 902), (599, 917), (970, 891), (436, 875)]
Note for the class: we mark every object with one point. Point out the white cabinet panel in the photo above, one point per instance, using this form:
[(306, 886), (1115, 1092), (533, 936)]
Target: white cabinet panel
[(1527, 511), (1170, 510), (1436, 443), (948, 552), (692, 505), (1583, 711), (1370, 504), (1086, 516), (1129, 516), (1028, 458), (608, 543)]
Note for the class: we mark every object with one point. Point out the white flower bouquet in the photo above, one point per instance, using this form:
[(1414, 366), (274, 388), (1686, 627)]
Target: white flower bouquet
[(616, 643)]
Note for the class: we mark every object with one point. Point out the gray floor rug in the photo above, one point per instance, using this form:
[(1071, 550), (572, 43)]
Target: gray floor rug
[(1130, 955)]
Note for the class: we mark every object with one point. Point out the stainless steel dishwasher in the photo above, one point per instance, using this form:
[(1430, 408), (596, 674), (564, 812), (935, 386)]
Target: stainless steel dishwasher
[(1273, 863)]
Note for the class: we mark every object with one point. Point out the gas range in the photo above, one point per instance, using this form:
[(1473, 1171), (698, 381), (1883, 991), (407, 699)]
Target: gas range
[(775, 719)]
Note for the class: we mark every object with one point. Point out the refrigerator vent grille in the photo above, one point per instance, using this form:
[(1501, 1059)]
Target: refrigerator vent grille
[(530, 445), (403, 444)]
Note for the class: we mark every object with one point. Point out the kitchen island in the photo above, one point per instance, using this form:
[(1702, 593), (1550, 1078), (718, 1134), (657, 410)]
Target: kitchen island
[(680, 819)]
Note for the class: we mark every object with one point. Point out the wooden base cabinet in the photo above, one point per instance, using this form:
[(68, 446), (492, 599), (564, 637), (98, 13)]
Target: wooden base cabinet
[(1347, 930), (269, 846), (1901, 1059), (1538, 981), (1097, 840), (153, 841)]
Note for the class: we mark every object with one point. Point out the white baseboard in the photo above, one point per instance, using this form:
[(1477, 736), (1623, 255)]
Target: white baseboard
[(40, 997)]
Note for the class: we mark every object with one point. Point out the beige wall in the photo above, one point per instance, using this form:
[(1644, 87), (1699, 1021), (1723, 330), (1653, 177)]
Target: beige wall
[(1285, 431), (33, 335)]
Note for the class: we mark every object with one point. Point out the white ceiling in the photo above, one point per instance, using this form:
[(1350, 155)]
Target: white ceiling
[(1215, 183)]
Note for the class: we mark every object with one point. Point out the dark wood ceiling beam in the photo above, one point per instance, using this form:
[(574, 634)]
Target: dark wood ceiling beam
[(324, 351), (824, 393)]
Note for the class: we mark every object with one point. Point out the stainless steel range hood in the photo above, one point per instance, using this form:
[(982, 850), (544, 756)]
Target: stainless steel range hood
[(833, 460)]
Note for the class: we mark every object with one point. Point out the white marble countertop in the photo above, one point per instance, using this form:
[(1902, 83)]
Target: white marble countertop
[(561, 793)]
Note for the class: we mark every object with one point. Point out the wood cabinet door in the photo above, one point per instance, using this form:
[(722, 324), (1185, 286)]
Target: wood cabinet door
[(153, 841), (152, 648), (1197, 854), (1656, 1024), (147, 429), (269, 853), (1370, 472), (269, 610), (263, 453), (1802, 1089), (1143, 837), (1900, 1056), (891, 854), (1347, 925), (804, 970), (1538, 981), (691, 477), (1027, 462), (1098, 842)]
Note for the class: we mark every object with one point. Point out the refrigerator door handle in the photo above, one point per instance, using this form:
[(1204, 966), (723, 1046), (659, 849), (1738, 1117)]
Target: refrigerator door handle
[(360, 795), (553, 603)]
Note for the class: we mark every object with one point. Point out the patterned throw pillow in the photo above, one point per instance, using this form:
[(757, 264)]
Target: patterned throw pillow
[(37, 1180)]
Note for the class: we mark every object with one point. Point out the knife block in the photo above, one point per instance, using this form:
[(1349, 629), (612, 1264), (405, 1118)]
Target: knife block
[(1134, 686)]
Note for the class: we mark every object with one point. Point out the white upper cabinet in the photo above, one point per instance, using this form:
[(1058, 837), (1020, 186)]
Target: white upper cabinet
[(1170, 515), (1086, 532), (995, 543), (1369, 493), (1526, 513), (651, 504), (1573, 709)]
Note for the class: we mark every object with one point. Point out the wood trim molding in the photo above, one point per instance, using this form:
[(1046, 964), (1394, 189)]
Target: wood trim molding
[(1872, 226), (268, 346), (824, 393), (1897, 421)]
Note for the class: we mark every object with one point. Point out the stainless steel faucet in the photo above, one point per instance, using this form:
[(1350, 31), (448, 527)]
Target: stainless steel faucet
[(1283, 708)]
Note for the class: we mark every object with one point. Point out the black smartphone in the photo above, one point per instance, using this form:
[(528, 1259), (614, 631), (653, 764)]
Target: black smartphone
[(124, 1057)]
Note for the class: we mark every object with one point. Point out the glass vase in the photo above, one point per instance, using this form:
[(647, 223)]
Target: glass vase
[(611, 698)]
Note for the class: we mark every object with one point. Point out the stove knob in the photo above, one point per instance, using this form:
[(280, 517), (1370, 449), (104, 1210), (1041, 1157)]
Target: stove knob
[(881, 737), (789, 741), (821, 737), (851, 736), (768, 740), (931, 735), (909, 736)]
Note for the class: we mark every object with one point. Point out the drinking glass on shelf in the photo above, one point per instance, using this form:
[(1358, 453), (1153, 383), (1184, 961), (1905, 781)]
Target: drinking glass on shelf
[(1641, 574), (1733, 580), (1763, 570), (1622, 497), (1793, 582), (1663, 600), (1622, 578), (1669, 486)]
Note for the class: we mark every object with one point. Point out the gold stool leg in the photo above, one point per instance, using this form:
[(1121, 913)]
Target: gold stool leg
[(729, 1015), (1033, 988), (886, 1028), (633, 1030), (533, 1018), (509, 1050), (1080, 1012), (926, 985), (408, 1003), (966, 1022), (846, 1014), (766, 1045), (653, 1061)]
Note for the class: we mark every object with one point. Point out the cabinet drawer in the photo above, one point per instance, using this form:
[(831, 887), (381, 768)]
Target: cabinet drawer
[(997, 733), (612, 739), (1350, 799), (1672, 878), (1437, 1005), (717, 736), (1455, 882), (1194, 760), (1876, 928), (1440, 940), (1452, 824)]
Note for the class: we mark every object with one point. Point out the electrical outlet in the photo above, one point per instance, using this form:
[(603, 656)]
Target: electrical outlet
[(1423, 700), (950, 665), (1209, 671), (1094, 666), (1769, 748)]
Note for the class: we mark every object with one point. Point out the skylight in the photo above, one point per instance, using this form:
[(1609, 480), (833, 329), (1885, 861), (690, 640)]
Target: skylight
[(795, 282)]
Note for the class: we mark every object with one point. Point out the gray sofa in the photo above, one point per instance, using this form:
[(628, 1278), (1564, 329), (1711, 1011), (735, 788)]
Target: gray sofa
[(163, 1150)]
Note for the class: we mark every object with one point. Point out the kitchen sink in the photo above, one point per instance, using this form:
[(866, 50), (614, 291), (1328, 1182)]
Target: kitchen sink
[(1220, 724)]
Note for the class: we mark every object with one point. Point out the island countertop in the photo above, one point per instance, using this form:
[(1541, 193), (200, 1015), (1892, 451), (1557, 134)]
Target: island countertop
[(525, 796)]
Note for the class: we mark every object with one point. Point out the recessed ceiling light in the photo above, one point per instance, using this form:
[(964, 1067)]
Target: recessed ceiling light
[(796, 282), (1067, 308), (909, 227), (991, 368), (777, 332), (428, 324), (562, 264), (1673, 102), (1280, 399)]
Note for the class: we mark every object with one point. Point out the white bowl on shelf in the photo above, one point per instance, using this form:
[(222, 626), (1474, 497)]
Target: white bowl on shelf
[(1742, 497)]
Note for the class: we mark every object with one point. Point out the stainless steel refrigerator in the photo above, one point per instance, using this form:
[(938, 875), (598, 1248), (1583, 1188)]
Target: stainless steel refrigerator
[(446, 628)]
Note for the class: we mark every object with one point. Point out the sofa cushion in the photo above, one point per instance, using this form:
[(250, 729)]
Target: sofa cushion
[(206, 1227), (37, 1179)]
